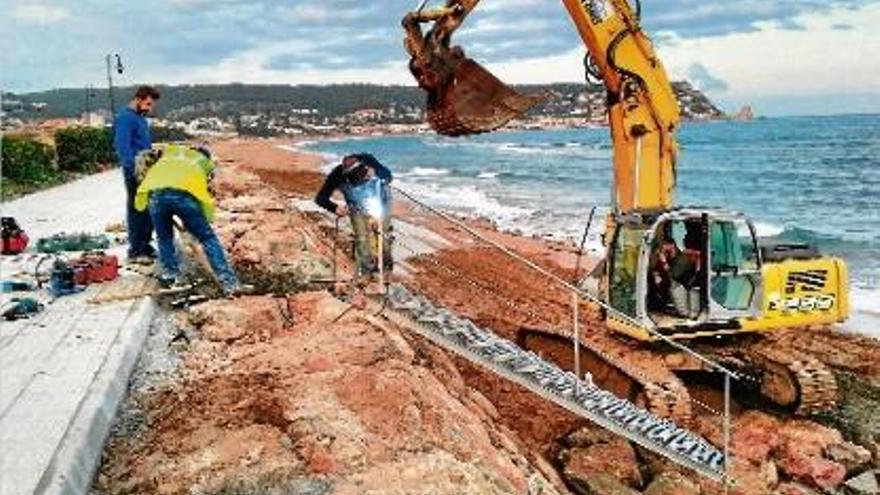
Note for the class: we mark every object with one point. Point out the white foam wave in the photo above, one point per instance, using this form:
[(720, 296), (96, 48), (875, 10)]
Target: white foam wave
[(768, 229), (425, 172), (488, 175), (468, 200)]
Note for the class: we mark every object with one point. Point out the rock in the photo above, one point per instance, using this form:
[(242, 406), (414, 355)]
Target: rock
[(755, 437), (672, 483), (813, 470), (807, 437), (793, 489), (600, 484), (800, 455), (853, 457), (864, 484), (594, 452)]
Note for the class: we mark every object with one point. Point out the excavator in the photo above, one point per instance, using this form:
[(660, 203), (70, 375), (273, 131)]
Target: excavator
[(669, 272)]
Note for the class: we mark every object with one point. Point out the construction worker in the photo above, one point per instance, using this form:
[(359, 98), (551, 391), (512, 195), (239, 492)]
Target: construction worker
[(177, 185), (131, 135), (363, 182)]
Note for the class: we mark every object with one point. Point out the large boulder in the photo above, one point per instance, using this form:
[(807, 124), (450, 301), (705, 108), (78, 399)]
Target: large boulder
[(672, 483), (592, 451), (854, 458), (864, 484), (599, 484)]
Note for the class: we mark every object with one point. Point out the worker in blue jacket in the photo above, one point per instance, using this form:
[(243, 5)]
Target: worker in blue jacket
[(131, 135)]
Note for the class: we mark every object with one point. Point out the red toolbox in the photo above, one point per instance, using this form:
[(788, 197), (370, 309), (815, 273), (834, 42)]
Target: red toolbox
[(95, 267)]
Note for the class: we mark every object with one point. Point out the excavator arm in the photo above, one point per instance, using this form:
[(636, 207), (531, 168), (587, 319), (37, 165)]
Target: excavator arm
[(464, 98)]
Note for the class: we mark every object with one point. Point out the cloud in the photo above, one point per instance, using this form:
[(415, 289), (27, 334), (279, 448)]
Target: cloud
[(297, 41), (40, 14), (698, 74)]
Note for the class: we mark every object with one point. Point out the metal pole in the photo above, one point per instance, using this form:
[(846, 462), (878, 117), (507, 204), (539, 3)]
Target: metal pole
[(726, 433), (88, 117), (576, 335), (335, 249), (577, 265), (110, 89), (381, 260)]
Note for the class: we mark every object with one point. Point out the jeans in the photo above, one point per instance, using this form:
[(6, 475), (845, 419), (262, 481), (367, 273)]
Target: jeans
[(139, 224), (164, 205), (366, 243)]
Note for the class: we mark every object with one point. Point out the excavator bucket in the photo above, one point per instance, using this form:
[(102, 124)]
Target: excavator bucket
[(473, 101), (463, 97)]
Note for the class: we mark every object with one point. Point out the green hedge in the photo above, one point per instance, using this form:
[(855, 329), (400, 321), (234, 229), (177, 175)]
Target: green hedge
[(26, 160), (84, 149)]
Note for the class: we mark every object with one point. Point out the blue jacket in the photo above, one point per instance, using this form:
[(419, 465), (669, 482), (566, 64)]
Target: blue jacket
[(131, 135)]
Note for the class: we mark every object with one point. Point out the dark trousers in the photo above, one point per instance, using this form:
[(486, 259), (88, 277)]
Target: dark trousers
[(165, 204), (140, 226)]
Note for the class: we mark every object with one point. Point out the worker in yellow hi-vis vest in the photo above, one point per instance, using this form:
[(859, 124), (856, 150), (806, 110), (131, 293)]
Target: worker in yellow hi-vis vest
[(177, 185)]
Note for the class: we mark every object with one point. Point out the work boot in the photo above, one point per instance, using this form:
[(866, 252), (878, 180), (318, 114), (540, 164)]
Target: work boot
[(143, 260)]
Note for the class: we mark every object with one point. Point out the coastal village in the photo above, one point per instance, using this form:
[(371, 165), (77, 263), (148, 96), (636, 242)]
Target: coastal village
[(566, 106)]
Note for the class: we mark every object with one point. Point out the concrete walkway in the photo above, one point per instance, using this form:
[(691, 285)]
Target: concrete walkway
[(64, 373)]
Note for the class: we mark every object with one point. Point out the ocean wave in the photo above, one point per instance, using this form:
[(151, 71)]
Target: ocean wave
[(425, 172), (468, 200), (764, 229), (488, 175), (865, 300)]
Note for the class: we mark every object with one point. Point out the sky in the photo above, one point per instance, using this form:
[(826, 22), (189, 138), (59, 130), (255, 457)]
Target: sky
[(784, 57)]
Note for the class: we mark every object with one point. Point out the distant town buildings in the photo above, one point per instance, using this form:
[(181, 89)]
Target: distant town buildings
[(272, 111)]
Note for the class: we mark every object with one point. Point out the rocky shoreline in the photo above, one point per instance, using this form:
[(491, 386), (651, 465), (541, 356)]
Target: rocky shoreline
[(278, 394)]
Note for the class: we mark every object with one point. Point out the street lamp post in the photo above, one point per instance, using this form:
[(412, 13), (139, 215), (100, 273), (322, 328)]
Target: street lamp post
[(119, 69), (90, 93)]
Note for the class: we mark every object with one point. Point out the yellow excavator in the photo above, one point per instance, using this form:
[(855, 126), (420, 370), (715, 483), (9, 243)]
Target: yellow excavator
[(676, 272), (683, 272)]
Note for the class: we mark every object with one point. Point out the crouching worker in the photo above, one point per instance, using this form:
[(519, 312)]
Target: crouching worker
[(176, 184), (363, 182)]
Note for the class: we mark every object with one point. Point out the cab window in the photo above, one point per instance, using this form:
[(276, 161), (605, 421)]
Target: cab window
[(734, 262)]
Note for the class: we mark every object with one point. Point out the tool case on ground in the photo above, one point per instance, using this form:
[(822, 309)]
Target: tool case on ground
[(95, 268), (14, 239)]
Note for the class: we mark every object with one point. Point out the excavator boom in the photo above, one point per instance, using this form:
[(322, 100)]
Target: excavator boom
[(464, 98)]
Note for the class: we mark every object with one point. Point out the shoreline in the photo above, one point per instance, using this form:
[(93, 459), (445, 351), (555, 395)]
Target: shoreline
[(260, 392), (864, 320)]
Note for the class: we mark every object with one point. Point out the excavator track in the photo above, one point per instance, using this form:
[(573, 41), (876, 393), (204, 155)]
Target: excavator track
[(792, 378)]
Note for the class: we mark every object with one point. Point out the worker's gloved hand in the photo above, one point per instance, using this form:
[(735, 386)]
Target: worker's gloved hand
[(342, 210)]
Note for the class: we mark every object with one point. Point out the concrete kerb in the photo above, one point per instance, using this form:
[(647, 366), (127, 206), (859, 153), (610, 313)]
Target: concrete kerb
[(77, 457)]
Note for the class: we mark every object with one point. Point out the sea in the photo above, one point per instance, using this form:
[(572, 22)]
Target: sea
[(814, 179)]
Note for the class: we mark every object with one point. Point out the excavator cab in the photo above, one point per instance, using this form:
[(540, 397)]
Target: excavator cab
[(463, 97), (684, 273)]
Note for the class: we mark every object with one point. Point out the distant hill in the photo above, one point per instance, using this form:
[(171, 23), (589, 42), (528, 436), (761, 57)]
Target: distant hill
[(331, 101)]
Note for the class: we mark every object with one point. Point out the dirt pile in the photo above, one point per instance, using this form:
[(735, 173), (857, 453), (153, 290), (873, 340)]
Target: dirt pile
[(291, 172), (342, 407)]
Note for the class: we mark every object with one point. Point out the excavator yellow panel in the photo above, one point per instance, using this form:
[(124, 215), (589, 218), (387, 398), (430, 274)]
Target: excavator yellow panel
[(799, 293)]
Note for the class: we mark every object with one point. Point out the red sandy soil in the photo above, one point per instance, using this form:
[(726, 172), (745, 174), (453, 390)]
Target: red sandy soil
[(365, 407)]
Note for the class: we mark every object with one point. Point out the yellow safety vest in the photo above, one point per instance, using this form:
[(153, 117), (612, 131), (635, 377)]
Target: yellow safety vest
[(180, 168)]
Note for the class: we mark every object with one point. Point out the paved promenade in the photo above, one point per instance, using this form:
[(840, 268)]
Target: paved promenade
[(64, 372)]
